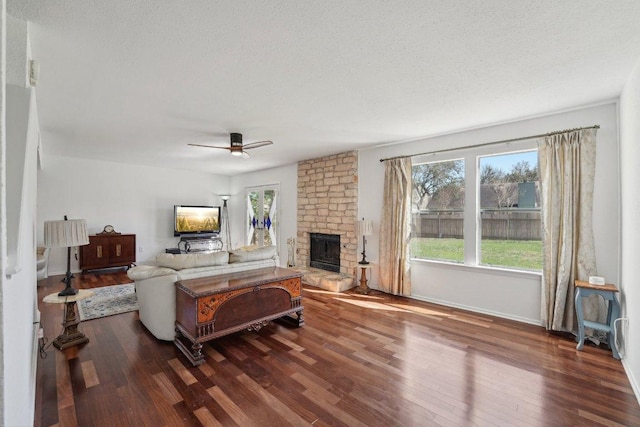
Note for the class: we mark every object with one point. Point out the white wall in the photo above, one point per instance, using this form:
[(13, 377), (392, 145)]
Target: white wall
[(18, 51), (140, 199), (505, 294), (287, 178), (19, 291), (22, 100), (630, 177), (18, 301), (134, 199)]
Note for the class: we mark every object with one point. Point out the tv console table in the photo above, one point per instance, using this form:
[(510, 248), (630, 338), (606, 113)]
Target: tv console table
[(211, 307), (189, 245)]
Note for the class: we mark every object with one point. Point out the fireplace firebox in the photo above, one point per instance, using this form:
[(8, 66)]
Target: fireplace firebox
[(325, 251)]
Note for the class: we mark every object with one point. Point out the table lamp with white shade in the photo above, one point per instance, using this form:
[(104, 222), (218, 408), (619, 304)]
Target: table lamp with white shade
[(365, 228), (67, 233)]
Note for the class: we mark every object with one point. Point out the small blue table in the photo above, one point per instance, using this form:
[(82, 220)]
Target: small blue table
[(608, 293)]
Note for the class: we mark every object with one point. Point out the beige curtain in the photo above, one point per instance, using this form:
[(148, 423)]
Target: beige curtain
[(567, 169), (395, 228)]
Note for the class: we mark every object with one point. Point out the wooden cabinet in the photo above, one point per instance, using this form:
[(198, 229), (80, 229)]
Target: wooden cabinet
[(106, 251)]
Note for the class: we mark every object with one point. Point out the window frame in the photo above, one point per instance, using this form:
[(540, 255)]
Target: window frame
[(472, 225)]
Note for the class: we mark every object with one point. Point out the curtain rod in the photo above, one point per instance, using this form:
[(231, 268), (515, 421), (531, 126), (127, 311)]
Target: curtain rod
[(485, 144)]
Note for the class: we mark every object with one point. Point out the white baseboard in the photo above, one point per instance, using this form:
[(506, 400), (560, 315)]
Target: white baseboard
[(632, 380), (535, 322), (55, 273)]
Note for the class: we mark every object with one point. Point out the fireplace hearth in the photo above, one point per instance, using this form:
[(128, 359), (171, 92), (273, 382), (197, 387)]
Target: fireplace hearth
[(325, 251)]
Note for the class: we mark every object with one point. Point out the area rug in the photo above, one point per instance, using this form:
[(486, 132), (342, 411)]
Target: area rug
[(107, 301)]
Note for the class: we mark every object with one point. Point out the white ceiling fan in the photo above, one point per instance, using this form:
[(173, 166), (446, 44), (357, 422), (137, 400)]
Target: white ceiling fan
[(236, 147)]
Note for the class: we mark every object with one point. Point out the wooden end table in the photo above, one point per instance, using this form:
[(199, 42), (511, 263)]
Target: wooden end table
[(607, 292), (364, 287), (71, 336)]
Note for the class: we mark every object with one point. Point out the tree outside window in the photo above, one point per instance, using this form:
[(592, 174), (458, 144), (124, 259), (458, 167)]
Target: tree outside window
[(438, 211), (511, 233)]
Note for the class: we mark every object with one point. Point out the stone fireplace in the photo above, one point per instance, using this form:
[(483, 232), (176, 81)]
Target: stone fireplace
[(328, 204)]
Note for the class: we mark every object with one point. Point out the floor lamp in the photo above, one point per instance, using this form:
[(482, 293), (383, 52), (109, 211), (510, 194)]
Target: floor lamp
[(67, 233), (225, 221)]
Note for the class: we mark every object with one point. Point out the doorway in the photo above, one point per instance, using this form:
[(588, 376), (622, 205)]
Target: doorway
[(262, 215)]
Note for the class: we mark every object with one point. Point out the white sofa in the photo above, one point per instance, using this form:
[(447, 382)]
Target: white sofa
[(155, 284)]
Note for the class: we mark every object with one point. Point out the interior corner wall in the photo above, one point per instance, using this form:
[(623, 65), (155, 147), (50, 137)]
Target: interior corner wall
[(134, 199), (511, 295), (286, 177), (630, 195)]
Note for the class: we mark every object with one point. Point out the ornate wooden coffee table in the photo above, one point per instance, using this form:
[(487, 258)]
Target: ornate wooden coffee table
[(210, 307)]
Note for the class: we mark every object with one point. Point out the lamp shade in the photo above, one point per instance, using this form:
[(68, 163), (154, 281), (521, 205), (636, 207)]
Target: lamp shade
[(365, 227), (65, 233)]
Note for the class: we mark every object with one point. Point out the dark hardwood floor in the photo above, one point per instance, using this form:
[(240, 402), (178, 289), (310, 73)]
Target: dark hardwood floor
[(360, 360)]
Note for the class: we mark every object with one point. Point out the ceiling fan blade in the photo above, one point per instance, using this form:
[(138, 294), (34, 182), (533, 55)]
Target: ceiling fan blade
[(245, 155), (209, 146), (256, 144)]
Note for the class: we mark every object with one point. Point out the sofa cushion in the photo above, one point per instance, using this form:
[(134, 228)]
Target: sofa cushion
[(141, 272), (252, 253), (193, 260), (194, 273)]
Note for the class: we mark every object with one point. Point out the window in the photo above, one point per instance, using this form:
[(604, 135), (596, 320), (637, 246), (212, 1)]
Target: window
[(437, 211), (487, 214), (511, 232)]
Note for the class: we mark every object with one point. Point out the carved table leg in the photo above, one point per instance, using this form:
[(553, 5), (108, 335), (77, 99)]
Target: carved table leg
[(364, 287), (257, 326), (193, 352), (196, 352), (71, 336), (300, 317)]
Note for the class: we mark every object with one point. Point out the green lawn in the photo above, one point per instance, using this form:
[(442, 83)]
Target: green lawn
[(519, 254)]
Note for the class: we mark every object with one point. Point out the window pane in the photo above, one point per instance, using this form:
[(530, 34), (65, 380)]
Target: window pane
[(269, 217), (510, 211), (438, 211)]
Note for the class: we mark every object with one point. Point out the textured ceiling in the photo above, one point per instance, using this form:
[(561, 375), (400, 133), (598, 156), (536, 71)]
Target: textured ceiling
[(136, 81)]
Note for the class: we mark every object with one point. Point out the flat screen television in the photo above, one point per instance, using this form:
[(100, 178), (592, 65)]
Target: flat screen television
[(196, 220)]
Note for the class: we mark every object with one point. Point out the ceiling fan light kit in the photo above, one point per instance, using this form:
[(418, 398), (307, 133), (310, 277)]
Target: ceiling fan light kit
[(236, 139), (236, 147)]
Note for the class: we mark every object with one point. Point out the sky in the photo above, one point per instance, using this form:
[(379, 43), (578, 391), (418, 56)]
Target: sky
[(506, 161)]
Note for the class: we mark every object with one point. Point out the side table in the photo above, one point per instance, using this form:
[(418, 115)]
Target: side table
[(364, 288), (607, 292), (71, 336)]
